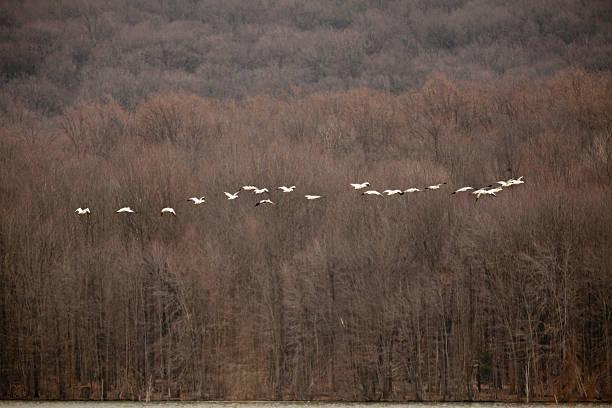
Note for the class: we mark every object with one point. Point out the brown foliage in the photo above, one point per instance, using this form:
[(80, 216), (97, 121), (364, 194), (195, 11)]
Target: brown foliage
[(83, 49), (423, 296)]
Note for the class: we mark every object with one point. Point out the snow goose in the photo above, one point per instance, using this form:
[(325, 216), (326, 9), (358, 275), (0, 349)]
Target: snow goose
[(247, 188), (490, 192), (434, 186), (125, 210), (371, 192), (266, 201), (231, 196), (168, 210), (393, 192), (482, 191), (359, 186), (504, 183), (287, 189), (412, 190), (312, 197), (514, 182), (197, 200), (260, 190), (462, 189), (82, 211)]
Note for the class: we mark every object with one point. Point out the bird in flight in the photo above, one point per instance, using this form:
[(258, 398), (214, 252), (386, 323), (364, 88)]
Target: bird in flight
[(266, 201), (231, 196), (82, 211), (312, 197), (168, 210), (482, 191), (359, 186), (462, 189), (495, 190), (287, 189), (125, 210), (434, 186), (197, 200), (504, 183), (514, 182)]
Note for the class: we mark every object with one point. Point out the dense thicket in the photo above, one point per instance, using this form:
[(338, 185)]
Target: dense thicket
[(55, 52), (433, 296), (415, 297)]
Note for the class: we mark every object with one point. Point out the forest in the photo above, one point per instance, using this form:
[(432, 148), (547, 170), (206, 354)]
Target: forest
[(426, 297), (53, 53)]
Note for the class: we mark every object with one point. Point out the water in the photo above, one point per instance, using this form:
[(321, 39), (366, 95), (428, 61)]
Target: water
[(207, 404)]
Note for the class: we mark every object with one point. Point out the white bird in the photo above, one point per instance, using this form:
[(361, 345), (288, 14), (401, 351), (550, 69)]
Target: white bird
[(393, 192), (435, 186), (494, 190), (260, 190), (168, 210), (266, 201), (412, 190), (248, 188), (312, 197), (462, 189), (517, 181), (504, 183), (371, 192), (287, 189), (359, 186), (197, 200), (231, 196), (481, 191), (125, 210), (82, 211), (486, 192)]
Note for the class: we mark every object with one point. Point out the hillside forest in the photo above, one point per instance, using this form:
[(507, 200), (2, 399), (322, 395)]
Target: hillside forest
[(425, 296)]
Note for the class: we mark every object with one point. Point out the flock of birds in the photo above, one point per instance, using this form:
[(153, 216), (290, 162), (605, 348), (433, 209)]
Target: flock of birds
[(489, 190)]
